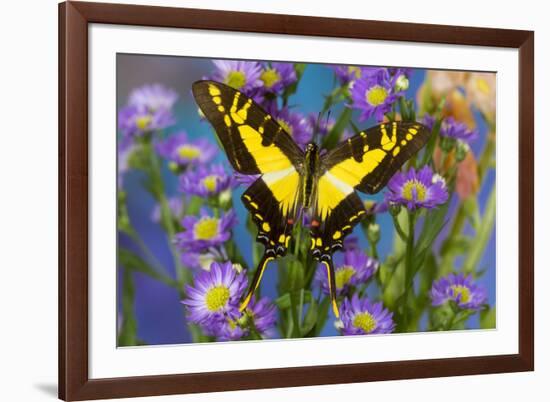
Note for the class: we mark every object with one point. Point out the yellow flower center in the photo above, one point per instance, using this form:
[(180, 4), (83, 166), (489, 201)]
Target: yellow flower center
[(217, 297), (462, 292), (206, 228), (189, 152), (236, 79), (142, 122), (365, 321), (419, 190), (285, 125), (211, 182), (355, 71), (483, 86), (270, 77), (376, 95), (344, 275)]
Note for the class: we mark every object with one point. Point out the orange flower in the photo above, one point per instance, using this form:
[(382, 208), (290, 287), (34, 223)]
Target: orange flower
[(481, 92), (458, 107), (467, 179)]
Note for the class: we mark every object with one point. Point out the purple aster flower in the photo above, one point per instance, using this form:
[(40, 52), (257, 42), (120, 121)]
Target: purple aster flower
[(451, 128), (374, 208), (277, 76), (347, 74), (457, 130), (153, 97), (245, 179), (357, 268), (262, 315), (135, 121), (422, 189), (149, 108), (195, 260), (243, 76), (214, 296), (373, 95), (205, 231), (293, 123), (361, 317), (174, 203), (181, 152), (459, 288), (205, 181), (320, 127), (428, 121)]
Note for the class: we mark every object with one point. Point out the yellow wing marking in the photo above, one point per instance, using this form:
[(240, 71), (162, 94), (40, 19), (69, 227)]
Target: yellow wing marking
[(386, 142), (268, 158), (351, 172), (331, 192), (213, 90), (284, 186)]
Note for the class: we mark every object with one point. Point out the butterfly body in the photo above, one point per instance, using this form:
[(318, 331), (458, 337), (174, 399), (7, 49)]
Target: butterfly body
[(292, 181)]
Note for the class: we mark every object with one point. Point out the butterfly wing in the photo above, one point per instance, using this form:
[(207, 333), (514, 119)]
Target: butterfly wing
[(364, 162), (253, 141), (368, 160), (256, 144)]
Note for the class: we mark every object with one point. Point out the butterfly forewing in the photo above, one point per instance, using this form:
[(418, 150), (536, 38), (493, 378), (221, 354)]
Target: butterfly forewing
[(368, 160), (253, 141)]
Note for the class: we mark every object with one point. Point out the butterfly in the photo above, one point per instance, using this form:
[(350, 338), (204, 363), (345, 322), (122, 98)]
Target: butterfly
[(292, 180)]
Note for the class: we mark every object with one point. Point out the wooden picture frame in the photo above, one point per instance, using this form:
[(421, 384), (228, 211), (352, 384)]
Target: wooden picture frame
[(74, 381)]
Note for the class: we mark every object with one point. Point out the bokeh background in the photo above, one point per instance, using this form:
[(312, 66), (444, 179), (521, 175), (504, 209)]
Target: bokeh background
[(159, 314)]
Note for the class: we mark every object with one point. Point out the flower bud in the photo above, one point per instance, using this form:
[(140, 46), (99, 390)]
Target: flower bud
[(225, 199), (373, 233), (446, 143), (402, 83), (394, 208), (238, 267), (462, 150)]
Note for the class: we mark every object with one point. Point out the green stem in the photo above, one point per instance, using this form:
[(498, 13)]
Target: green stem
[(483, 234), (153, 261), (399, 229), (183, 275), (409, 268)]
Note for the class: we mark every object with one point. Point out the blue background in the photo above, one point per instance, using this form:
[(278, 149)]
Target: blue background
[(159, 314)]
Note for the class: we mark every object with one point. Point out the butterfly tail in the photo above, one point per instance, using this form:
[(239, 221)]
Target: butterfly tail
[(268, 256), (327, 262)]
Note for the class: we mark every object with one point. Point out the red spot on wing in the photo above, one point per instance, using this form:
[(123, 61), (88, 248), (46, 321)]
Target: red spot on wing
[(314, 223), (290, 221)]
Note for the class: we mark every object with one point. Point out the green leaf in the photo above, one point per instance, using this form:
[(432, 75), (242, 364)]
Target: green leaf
[(283, 301), (471, 208), (133, 262), (128, 330), (333, 137), (310, 319), (483, 234), (434, 222), (322, 316), (456, 245), (488, 318)]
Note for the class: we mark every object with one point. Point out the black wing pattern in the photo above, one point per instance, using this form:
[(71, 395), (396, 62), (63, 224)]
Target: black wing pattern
[(257, 144), (364, 162)]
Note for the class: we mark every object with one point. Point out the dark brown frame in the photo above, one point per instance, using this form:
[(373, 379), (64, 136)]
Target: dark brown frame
[(74, 17)]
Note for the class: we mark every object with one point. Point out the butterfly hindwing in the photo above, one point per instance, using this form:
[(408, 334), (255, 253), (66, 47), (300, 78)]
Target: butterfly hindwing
[(272, 203), (368, 160), (253, 141)]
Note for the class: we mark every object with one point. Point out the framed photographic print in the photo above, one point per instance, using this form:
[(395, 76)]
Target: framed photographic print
[(257, 200)]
